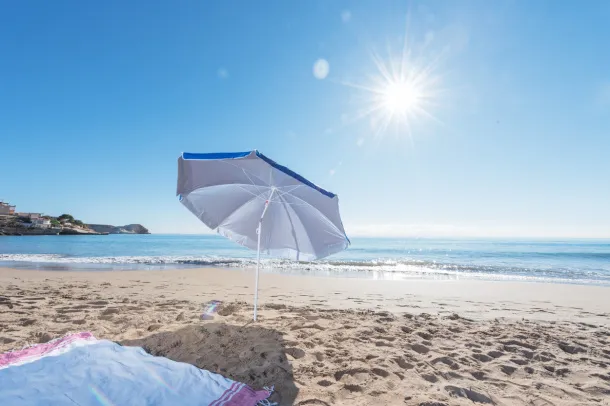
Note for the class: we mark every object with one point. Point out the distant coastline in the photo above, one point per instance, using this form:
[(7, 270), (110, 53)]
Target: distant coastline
[(127, 229), (29, 231), (25, 223)]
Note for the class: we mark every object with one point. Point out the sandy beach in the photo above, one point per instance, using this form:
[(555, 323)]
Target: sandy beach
[(338, 341)]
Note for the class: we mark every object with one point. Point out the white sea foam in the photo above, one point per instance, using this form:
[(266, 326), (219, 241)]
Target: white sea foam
[(375, 269)]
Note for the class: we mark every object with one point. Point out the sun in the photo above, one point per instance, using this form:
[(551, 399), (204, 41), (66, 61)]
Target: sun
[(400, 94), (401, 98)]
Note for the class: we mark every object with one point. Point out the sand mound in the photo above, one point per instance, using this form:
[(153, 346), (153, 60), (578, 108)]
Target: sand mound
[(254, 355)]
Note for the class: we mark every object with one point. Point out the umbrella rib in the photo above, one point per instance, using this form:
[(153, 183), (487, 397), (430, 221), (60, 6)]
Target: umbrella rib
[(289, 192), (282, 193), (246, 173), (323, 216), (267, 184), (250, 179), (242, 187), (238, 207), (294, 233)]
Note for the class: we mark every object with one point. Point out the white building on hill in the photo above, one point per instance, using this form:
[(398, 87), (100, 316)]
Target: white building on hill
[(41, 223)]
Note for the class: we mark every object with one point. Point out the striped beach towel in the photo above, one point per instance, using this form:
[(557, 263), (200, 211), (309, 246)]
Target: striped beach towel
[(80, 370)]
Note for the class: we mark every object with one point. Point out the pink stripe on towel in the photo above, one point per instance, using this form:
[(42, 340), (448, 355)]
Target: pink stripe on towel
[(38, 351), (225, 395), (245, 395)]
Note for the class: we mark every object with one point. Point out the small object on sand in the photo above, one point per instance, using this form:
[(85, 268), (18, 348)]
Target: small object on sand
[(209, 309)]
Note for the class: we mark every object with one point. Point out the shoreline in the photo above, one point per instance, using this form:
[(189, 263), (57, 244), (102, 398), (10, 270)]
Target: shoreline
[(368, 274), (337, 341)]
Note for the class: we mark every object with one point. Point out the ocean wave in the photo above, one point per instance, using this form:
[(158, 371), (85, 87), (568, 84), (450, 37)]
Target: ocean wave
[(120, 260), (380, 268)]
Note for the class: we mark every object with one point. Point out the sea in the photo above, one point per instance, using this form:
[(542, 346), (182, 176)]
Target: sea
[(562, 261)]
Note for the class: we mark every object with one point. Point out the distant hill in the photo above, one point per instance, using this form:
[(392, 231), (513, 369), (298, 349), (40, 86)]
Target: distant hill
[(128, 229), (21, 223)]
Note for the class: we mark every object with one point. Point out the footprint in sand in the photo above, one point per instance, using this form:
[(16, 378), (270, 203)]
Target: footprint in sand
[(495, 354), (403, 363), (520, 344), (562, 372), (571, 349), (507, 369), (351, 372), (519, 361), (295, 353), (420, 349), (382, 344), (68, 310), (380, 372), (468, 394), (430, 378), (27, 322), (353, 388), (481, 357), (424, 335), (447, 361), (604, 377), (98, 303)]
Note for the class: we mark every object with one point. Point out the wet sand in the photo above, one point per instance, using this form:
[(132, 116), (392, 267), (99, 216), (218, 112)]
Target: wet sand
[(338, 341)]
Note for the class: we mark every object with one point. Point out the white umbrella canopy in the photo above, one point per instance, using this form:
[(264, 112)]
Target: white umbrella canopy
[(239, 193)]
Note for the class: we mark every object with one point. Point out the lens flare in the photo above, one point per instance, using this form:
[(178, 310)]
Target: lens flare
[(101, 397), (159, 379)]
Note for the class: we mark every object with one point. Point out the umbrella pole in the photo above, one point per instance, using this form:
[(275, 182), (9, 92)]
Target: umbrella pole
[(258, 252), (258, 260)]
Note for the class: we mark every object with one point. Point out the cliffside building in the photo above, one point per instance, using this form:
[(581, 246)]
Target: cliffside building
[(6, 209), (41, 223)]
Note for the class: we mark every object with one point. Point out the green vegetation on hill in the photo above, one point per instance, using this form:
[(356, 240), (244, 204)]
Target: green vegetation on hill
[(70, 219)]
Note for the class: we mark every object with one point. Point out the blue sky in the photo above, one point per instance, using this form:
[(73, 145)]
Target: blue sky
[(98, 99)]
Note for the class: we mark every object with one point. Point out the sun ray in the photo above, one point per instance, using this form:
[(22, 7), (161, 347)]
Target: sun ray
[(361, 87)]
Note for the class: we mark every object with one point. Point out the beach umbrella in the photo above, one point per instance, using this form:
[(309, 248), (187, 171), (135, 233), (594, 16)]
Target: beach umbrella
[(262, 205)]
